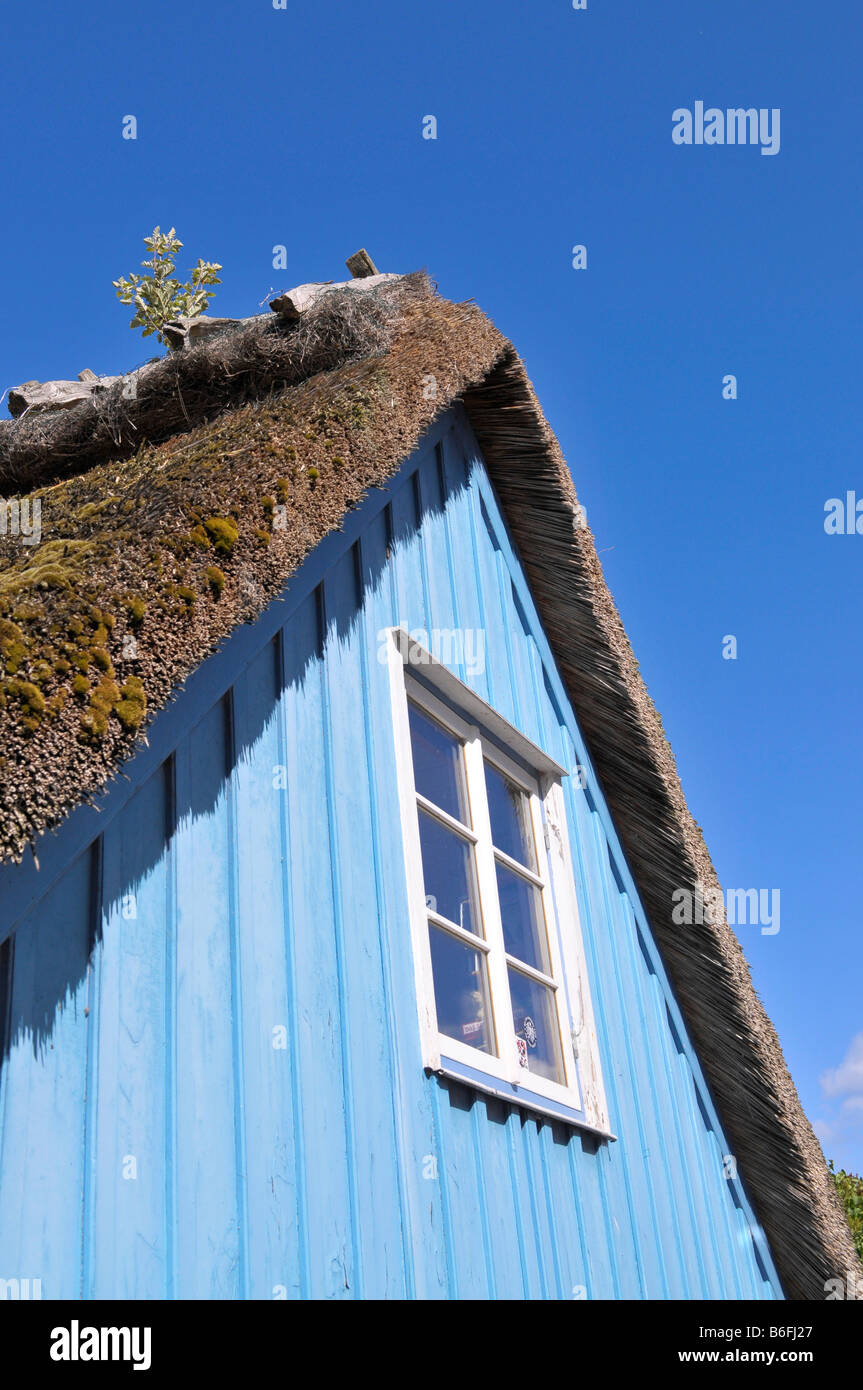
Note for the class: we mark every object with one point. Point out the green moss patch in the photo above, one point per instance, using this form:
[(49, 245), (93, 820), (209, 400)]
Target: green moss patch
[(223, 532)]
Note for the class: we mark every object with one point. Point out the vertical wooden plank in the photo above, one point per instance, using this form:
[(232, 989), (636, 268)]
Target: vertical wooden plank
[(208, 1222), (467, 601), (269, 1061), (627, 1234), (731, 1249), (367, 1058), (690, 1236), (423, 1178), (44, 1079), (128, 1254), (645, 1092), (503, 1219), (736, 1261), (586, 1160), (325, 1159), (565, 1209), (465, 1194), (683, 1100), (488, 579)]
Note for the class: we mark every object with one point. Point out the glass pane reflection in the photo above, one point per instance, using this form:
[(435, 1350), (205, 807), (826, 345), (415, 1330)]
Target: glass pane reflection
[(534, 1018), (509, 813), (521, 912), (448, 873), (437, 765), (461, 991)]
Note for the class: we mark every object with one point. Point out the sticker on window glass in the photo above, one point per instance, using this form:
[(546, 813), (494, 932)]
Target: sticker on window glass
[(528, 1028), (522, 1052)]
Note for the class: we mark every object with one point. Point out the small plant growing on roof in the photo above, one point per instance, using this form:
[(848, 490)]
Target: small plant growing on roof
[(159, 297)]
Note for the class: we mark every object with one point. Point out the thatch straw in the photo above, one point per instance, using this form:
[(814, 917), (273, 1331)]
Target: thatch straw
[(185, 389)]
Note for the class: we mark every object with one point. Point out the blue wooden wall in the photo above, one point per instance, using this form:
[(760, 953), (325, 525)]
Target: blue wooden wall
[(211, 1083)]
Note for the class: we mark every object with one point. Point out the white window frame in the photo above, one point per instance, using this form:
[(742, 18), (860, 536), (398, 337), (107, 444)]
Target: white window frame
[(486, 737)]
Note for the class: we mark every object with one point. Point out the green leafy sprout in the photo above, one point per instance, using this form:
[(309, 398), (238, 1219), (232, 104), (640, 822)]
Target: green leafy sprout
[(159, 297), (850, 1189)]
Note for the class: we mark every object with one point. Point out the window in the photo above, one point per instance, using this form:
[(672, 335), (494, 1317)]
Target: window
[(502, 992)]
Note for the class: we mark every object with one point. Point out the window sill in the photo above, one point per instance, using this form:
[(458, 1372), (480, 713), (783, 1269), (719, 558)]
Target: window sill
[(517, 1095)]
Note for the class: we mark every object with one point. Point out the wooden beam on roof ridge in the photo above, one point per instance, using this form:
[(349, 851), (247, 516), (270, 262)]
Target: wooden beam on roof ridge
[(360, 264)]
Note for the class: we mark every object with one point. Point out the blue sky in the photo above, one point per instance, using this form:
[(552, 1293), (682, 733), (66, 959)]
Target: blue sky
[(302, 127)]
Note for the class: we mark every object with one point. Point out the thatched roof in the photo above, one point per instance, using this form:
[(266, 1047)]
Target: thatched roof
[(149, 558)]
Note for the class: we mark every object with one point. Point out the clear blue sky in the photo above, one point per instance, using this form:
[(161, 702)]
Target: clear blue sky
[(302, 126)]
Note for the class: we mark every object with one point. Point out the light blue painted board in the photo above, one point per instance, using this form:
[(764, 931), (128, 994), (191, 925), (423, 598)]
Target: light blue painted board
[(127, 1232), (688, 1235), (209, 1239), (562, 1225), (587, 1159), (426, 1244), (407, 555), (641, 1084), (260, 791), (680, 1079), (319, 1037), (43, 1092), (366, 1035), (460, 554), (626, 1233), (599, 1277), (469, 1250), (746, 1283), (503, 1221)]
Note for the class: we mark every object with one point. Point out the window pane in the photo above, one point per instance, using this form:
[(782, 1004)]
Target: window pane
[(508, 810), (534, 1018), (461, 991), (524, 933), (438, 766), (448, 873)]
